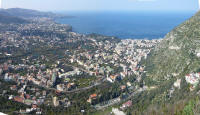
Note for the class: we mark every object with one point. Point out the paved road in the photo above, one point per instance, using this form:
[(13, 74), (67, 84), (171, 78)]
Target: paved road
[(116, 100), (85, 88), (103, 79), (81, 89)]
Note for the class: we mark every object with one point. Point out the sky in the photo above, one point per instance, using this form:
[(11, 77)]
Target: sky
[(104, 5)]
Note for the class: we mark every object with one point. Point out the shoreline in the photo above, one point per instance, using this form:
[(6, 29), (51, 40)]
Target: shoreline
[(87, 34), (135, 27)]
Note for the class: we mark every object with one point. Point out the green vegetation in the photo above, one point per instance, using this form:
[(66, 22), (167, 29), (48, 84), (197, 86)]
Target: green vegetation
[(177, 52), (172, 59), (107, 111)]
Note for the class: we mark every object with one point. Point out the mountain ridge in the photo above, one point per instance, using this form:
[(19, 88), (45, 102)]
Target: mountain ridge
[(6, 19), (177, 53), (28, 13)]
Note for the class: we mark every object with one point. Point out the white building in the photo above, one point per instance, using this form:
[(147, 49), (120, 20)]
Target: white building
[(192, 78)]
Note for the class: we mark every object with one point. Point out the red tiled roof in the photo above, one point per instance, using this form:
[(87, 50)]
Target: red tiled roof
[(19, 99), (93, 96), (128, 103)]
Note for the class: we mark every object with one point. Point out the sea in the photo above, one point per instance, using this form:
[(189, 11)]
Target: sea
[(125, 25)]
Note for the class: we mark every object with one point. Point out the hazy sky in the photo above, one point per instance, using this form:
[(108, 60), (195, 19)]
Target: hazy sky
[(104, 5)]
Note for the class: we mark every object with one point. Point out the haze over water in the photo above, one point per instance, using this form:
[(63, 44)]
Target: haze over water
[(135, 25)]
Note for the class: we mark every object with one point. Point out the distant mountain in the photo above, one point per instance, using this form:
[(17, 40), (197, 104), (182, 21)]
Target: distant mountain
[(18, 15), (177, 55), (27, 13), (6, 19)]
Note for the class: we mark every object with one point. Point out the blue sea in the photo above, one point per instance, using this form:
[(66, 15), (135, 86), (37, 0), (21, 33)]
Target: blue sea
[(134, 25)]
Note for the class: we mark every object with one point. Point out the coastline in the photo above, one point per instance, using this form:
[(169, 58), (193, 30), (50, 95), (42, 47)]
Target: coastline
[(124, 26)]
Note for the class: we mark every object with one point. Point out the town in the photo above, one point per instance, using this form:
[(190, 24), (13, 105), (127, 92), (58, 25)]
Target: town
[(42, 61)]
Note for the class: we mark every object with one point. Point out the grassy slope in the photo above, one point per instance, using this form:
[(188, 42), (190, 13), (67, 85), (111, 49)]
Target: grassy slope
[(161, 65), (163, 61)]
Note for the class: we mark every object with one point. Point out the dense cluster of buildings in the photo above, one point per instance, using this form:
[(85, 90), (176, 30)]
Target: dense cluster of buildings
[(125, 56), (35, 56), (193, 79)]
